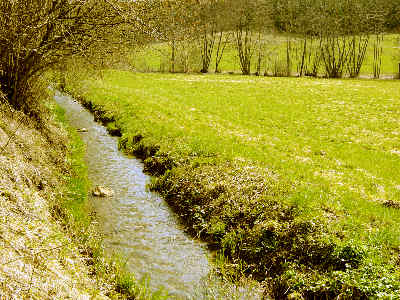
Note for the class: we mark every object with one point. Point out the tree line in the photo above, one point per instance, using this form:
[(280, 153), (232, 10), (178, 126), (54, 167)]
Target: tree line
[(334, 35), (40, 35)]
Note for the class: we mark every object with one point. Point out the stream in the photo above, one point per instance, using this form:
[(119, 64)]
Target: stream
[(137, 223)]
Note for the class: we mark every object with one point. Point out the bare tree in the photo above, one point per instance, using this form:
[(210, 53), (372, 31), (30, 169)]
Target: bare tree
[(222, 41), (174, 21), (378, 50), (251, 18), (357, 52), (342, 29), (208, 18)]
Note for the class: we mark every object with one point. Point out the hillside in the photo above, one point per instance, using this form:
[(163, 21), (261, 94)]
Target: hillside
[(39, 256)]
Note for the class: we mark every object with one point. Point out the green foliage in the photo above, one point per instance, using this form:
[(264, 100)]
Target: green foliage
[(286, 177)]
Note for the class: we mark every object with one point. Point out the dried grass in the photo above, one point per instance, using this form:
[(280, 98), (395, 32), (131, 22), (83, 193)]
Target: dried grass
[(37, 260)]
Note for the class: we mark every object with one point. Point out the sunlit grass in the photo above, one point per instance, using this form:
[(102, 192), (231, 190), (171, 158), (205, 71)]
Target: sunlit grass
[(335, 143), (339, 139)]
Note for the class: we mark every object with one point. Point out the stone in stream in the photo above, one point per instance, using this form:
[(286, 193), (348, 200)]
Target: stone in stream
[(101, 191), (82, 130)]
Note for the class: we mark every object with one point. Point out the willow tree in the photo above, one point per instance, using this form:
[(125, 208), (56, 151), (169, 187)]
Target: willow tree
[(250, 18), (38, 35), (207, 31)]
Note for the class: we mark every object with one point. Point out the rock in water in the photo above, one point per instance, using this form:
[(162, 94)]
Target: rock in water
[(82, 130), (101, 191)]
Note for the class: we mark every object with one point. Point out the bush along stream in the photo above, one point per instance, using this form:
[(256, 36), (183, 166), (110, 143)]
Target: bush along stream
[(248, 213)]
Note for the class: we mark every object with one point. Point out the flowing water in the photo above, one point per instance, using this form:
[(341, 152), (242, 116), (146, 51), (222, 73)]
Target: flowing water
[(135, 222), (140, 225)]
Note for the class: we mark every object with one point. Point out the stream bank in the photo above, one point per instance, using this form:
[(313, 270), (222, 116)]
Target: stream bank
[(136, 222), (140, 226), (43, 255)]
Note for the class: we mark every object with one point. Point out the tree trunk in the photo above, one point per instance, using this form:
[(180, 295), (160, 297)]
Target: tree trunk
[(173, 56), (288, 60), (378, 56), (303, 57), (244, 47), (220, 49)]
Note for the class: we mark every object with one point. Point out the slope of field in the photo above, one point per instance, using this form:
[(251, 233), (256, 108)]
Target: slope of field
[(295, 180)]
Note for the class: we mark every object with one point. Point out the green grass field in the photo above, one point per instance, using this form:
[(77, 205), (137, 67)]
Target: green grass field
[(296, 180), (156, 57)]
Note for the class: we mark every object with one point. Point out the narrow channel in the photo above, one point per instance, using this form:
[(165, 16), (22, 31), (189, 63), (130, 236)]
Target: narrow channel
[(135, 222)]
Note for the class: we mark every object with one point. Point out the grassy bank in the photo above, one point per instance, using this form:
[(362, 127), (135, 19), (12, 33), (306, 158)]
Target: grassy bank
[(295, 180)]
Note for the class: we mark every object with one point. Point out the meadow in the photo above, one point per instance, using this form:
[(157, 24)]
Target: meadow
[(294, 180)]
